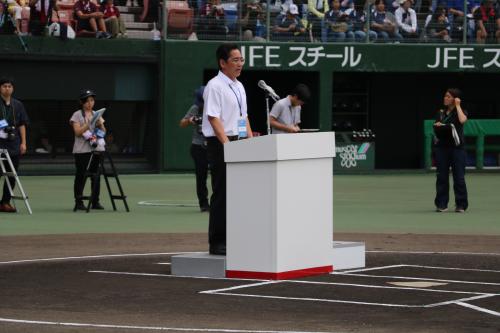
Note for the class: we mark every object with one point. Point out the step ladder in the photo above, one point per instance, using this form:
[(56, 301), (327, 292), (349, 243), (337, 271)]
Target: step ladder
[(101, 170), (5, 159)]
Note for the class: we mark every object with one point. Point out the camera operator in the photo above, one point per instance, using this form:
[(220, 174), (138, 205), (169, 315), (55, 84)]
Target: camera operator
[(13, 122), (198, 147), (87, 140)]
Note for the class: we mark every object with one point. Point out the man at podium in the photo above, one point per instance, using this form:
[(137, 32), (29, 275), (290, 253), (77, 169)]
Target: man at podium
[(225, 119), (285, 114)]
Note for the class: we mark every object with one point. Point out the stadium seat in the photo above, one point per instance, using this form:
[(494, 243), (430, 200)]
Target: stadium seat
[(179, 17), (65, 4)]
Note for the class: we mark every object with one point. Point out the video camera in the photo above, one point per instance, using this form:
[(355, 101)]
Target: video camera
[(96, 138), (198, 121), (7, 132)]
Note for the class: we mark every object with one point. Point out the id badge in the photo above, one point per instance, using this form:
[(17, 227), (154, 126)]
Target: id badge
[(242, 128), (3, 123)]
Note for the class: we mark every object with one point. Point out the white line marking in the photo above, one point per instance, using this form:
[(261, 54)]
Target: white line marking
[(456, 268), (437, 252), (474, 307), (321, 300), (369, 269), (389, 287), (419, 278), (418, 266), (459, 300), (164, 263), (152, 328), (94, 257), (215, 291), (172, 276)]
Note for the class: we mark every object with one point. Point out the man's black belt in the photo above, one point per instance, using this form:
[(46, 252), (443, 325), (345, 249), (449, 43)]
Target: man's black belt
[(231, 138)]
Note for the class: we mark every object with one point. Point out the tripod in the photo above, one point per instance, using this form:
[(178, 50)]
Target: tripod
[(95, 175), (5, 158)]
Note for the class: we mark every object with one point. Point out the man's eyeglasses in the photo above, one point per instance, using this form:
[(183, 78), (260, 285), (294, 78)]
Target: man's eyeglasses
[(237, 60)]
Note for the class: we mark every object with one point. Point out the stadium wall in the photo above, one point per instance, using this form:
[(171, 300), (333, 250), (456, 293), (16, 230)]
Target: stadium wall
[(403, 83)]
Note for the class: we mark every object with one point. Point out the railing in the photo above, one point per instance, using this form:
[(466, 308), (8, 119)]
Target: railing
[(347, 21)]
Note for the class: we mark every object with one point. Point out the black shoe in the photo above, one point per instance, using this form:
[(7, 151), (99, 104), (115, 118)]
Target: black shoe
[(218, 249), (97, 206), (204, 208), (79, 206)]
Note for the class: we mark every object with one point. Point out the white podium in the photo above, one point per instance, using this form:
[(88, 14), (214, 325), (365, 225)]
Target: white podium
[(279, 206)]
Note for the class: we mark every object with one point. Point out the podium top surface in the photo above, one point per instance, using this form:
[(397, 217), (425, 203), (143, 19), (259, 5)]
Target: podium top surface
[(279, 147)]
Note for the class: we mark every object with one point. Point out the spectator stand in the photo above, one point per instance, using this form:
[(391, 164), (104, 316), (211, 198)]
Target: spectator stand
[(480, 129)]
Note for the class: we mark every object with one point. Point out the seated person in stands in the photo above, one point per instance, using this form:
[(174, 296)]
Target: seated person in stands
[(437, 27), (41, 12), (7, 27), (338, 24), (407, 20), (90, 19), (289, 27), (385, 28), (252, 19), (20, 11), (456, 16), (359, 25), (112, 19), (487, 20), (213, 17)]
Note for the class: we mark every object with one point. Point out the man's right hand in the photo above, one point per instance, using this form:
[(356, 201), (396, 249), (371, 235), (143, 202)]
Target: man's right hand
[(292, 129)]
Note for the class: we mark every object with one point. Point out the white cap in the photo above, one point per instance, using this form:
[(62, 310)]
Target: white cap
[(293, 9)]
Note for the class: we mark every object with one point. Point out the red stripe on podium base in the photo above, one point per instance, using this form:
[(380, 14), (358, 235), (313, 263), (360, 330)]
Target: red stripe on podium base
[(281, 275)]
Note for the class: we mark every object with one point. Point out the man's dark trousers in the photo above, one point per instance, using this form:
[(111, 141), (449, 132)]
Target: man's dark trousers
[(199, 155), (217, 219), (12, 180)]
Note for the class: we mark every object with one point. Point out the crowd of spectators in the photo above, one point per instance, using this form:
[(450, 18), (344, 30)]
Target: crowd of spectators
[(89, 18), (381, 21)]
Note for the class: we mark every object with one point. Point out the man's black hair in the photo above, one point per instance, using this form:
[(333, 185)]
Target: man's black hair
[(4, 80), (302, 92), (223, 52)]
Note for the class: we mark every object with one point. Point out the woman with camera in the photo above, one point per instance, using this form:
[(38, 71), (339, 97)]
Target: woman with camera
[(449, 152), (13, 122), (198, 147), (87, 140)]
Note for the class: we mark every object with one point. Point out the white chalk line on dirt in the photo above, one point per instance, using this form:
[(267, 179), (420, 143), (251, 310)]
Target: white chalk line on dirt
[(103, 256), (478, 308), (151, 328), (417, 266), (172, 276), (418, 278)]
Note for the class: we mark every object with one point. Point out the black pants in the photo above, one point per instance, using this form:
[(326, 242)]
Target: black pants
[(453, 157), (12, 180), (81, 162), (199, 155), (217, 219)]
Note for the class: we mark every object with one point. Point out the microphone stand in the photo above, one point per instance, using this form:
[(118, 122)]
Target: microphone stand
[(268, 112)]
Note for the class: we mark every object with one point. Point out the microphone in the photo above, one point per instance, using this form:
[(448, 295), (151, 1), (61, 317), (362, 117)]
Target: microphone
[(268, 89)]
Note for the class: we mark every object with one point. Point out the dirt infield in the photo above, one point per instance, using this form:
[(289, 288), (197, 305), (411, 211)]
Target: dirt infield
[(136, 293)]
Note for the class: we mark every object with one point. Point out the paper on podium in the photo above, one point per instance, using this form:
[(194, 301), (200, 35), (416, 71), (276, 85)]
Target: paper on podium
[(96, 116)]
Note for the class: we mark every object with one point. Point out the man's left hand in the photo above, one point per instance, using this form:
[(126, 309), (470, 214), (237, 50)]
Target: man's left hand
[(23, 148)]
